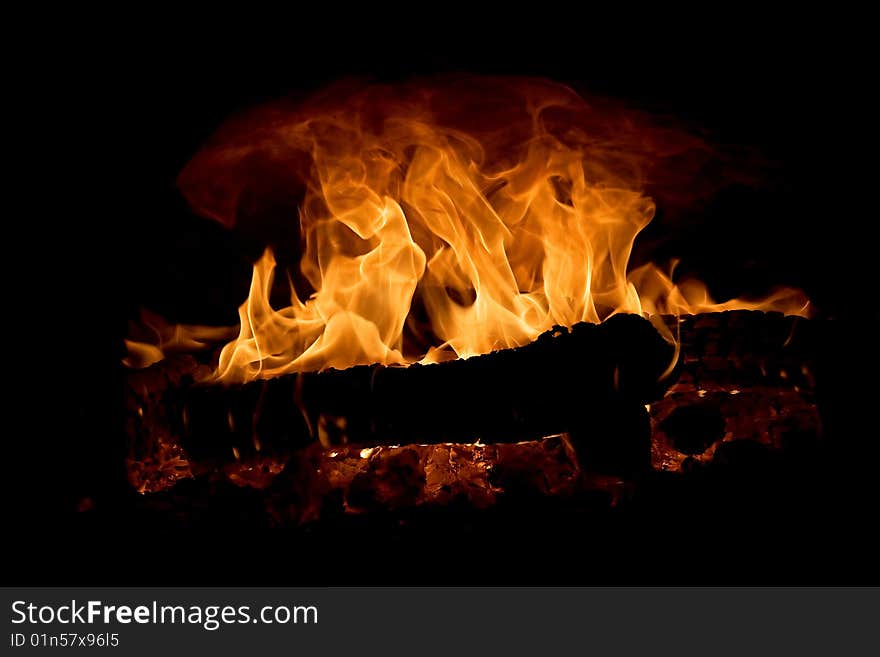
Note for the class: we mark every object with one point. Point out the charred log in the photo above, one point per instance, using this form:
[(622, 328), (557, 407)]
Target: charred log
[(567, 380), (743, 376), (742, 348), (750, 371)]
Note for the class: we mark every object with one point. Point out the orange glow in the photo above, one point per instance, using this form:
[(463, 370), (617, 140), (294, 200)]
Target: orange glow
[(445, 220), (152, 338)]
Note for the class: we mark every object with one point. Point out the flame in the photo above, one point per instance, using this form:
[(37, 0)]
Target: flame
[(152, 338), (445, 220)]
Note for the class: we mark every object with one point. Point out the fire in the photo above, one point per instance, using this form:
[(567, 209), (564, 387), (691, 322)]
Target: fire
[(443, 220), (152, 338)]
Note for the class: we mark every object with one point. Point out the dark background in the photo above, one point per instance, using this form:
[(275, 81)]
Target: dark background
[(120, 113)]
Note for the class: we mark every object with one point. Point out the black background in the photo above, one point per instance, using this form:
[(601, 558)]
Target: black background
[(120, 111)]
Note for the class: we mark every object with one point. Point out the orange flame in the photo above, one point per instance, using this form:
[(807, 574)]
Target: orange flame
[(152, 338), (445, 220)]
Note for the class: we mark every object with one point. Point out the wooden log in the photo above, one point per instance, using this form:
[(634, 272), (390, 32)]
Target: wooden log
[(741, 348), (544, 388), (591, 383), (689, 426), (743, 376)]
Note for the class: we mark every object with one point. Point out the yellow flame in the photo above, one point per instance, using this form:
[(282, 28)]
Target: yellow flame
[(429, 232)]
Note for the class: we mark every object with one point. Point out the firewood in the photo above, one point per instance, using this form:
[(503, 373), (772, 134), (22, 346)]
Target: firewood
[(742, 348), (549, 386), (694, 423), (751, 371), (743, 376)]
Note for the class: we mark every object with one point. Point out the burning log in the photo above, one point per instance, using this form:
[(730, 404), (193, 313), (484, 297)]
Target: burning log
[(454, 219), (742, 377), (590, 381)]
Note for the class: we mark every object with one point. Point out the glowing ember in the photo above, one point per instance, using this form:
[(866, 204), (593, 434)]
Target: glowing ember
[(443, 220)]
